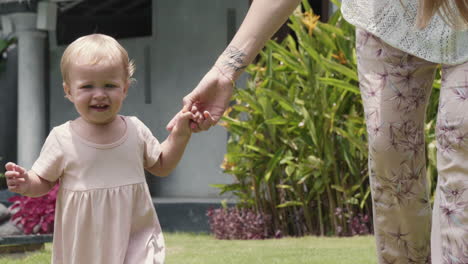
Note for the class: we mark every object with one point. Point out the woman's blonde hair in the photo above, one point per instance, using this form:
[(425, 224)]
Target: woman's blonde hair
[(454, 12), (93, 49)]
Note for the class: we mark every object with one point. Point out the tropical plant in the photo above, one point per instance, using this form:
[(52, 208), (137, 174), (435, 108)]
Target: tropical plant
[(34, 215), (297, 146)]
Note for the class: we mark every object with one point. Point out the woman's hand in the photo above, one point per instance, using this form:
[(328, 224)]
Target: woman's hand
[(209, 99)]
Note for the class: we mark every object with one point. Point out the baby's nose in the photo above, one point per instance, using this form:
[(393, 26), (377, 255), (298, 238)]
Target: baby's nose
[(99, 93)]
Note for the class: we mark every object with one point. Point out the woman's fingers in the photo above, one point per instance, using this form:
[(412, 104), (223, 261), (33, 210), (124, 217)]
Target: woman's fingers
[(207, 121), (199, 121), (208, 116), (187, 102)]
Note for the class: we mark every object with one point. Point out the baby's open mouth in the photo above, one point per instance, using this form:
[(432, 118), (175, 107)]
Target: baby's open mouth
[(100, 107)]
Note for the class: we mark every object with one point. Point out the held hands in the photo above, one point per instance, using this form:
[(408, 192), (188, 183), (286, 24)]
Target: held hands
[(181, 123), (207, 101), (17, 178)]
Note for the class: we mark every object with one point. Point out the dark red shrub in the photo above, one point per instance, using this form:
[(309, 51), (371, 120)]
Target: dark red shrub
[(34, 215), (358, 224), (235, 223)]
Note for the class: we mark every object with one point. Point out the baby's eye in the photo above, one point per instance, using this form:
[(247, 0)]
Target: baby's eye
[(109, 85), (87, 86)]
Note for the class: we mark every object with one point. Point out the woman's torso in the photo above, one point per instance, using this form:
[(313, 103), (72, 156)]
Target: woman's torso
[(394, 22)]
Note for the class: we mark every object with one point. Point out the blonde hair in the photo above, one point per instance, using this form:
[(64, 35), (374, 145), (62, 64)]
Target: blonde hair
[(454, 12), (94, 49)]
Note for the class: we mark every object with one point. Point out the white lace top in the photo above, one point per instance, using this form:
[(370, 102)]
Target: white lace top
[(395, 24)]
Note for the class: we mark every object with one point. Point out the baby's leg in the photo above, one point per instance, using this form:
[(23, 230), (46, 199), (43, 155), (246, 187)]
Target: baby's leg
[(395, 89), (450, 220)]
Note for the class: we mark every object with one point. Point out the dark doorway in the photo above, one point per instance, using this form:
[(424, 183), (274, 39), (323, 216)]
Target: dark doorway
[(116, 18)]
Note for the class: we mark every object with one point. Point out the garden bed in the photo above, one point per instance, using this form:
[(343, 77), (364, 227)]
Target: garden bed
[(23, 243)]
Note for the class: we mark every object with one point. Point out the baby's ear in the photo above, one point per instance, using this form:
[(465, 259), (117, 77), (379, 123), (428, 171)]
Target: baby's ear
[(66, 89), (127, 85)]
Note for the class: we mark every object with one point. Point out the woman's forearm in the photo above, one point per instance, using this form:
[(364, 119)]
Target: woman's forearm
[(262, 20)]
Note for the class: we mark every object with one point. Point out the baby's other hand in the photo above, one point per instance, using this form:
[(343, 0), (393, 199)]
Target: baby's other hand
[(17, 178), (203, 121), (182, 124)]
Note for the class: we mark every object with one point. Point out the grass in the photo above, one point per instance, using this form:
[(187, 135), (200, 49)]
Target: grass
[(183, 248)]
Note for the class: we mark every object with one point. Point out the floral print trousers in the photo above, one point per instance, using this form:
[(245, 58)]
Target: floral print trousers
[(395, 89)]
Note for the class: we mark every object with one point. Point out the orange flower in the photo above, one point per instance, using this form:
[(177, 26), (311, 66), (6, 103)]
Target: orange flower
[(310, 20), (340, 57), (227, 165)]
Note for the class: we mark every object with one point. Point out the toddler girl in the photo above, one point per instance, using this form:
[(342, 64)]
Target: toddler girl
[(104, 212)]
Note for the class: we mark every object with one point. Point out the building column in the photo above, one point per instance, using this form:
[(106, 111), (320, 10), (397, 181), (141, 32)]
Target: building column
[(31, 87)]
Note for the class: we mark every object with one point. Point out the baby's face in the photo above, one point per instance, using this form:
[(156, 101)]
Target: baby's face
[(97, 91)]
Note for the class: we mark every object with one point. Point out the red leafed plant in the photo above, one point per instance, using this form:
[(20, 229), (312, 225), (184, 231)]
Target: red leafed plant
[(34, 215), (236, 223)]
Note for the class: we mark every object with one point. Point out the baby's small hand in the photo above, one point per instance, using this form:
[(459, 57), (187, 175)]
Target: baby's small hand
[(203, 121), (17, 178), (182, 123)]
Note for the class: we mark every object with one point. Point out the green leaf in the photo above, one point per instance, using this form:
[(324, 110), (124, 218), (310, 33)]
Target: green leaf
[(289, 204), (285, 104), (314, 162), (340, 84), (364, 199), (357, 143), (306, 5), (303, 179), (259, 150), (227, 187), (339, 68), (284, 186), (290, 170), (273, 163), (276, 121), (310, 125), (337, 3), (338, 188), (331, 29)]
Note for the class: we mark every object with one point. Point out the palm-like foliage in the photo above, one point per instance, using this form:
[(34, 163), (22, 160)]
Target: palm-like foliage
[(297, 145)]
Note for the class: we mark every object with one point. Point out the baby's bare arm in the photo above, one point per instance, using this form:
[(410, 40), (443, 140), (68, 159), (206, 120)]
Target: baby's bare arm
[(174, 146), (172, 150)]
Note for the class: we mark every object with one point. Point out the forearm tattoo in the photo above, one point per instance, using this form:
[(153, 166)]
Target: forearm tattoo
[(234, 58)]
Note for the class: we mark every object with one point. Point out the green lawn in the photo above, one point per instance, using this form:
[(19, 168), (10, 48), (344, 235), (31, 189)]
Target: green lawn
[(203, 249)]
